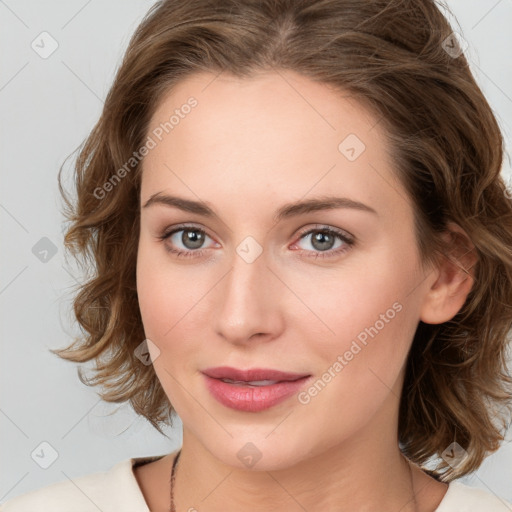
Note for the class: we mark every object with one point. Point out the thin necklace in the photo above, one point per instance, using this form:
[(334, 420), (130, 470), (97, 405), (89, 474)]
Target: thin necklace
[(173, 476)]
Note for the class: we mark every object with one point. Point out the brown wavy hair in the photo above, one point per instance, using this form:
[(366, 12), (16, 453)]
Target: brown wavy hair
[(391, 55)]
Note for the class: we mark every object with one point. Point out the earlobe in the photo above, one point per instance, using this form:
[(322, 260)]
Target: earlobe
[(455, 278)]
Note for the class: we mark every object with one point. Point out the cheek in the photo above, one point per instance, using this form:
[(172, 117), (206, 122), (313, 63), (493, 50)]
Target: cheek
[(352, 303), (359, 367), (166, 300), (367, 322), (158, 305), (370, 338), (170, 295)]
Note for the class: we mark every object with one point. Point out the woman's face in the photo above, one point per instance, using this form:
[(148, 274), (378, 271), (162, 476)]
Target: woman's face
[(263, 290)]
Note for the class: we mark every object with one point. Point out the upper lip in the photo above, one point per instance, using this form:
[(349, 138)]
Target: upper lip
[(252, 374)]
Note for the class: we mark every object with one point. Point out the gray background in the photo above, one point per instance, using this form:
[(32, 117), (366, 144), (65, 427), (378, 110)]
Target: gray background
[(48, 106)]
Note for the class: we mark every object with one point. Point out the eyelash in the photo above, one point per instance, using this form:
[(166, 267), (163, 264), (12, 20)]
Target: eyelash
[(349, 242)]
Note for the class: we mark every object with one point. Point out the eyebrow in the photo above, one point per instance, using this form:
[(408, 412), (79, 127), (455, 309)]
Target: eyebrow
[(287, 211)]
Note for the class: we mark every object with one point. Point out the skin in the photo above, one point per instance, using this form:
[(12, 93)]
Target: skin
[(248, 147)]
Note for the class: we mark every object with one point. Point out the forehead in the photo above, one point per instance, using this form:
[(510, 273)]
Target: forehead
[(275, 136)]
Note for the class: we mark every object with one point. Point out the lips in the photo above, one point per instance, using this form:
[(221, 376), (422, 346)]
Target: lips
[(253, 375), (252, 390)]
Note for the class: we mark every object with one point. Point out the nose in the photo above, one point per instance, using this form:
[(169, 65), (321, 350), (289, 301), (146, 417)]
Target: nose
[(249, 302)]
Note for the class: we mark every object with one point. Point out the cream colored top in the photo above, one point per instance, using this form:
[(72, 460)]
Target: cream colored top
[(117, 490)]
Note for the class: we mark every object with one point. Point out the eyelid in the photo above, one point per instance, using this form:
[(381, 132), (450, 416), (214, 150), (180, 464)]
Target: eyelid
[(326, 227), (178, 227)]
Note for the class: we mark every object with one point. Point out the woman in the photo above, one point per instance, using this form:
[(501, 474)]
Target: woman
[(302, 247)]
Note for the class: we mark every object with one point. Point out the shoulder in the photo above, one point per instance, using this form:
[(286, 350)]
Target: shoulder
[(463, 498), (114, 489)]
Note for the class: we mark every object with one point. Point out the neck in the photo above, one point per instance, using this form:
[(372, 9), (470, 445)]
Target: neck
[(365, 472), (297, 488)]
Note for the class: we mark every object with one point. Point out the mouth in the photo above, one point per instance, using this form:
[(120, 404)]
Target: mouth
[(256, 376), (252, 390), (253, 383)]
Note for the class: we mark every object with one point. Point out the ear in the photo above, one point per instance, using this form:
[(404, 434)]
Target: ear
[(453, 279)]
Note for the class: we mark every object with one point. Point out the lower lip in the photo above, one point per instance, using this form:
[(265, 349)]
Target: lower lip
[(252, 398)]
